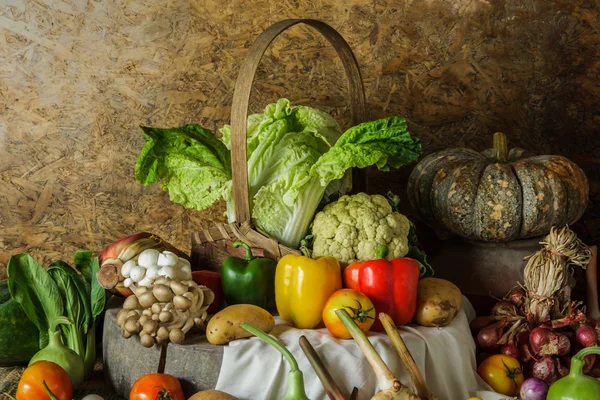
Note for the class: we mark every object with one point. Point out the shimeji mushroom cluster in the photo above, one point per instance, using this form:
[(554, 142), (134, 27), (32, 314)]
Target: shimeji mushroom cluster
[(143, 270), (165, 312)]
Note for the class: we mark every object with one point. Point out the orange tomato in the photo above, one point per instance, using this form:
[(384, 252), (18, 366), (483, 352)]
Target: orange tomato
[(156, 387), (503, 373), (31, 384), (359, 307)]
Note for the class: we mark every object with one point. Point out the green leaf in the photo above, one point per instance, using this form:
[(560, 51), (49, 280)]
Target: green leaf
[(75, 297), (36, 292), (98, 295), (83, 262), (416, 252), (192, 165), (384, 143)]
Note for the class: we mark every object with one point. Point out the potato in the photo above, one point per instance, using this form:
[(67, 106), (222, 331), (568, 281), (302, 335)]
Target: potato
[(212, 395), (225, 325), (438, 302)]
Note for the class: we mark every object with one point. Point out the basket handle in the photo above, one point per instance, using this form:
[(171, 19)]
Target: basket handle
[(241, 98)]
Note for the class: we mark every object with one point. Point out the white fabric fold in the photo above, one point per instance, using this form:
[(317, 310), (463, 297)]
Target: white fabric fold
[(253, 370)]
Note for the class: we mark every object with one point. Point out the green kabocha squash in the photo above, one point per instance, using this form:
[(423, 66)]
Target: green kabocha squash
[(497, 195)]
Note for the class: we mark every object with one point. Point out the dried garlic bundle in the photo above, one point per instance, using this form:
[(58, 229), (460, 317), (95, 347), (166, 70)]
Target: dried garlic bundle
[(548, 275)]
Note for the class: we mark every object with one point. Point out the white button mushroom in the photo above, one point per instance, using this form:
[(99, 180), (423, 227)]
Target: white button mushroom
[(152, 272), (137, 273), (127, 282), (146, 282), (148, 257), (168, 272), (167, 259), (126, 268)]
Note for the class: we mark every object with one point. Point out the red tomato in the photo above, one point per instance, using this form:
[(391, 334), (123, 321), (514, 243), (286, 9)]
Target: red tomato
[(503, 373), (212, 280), (358, 306), (156, 387), (31, 384)]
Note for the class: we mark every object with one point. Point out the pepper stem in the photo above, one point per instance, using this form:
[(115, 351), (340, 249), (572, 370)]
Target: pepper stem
[(239, 243), (500, 147), (381, 251)]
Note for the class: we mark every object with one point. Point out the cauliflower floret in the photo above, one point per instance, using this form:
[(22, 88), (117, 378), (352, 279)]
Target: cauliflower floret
[(352, 229)]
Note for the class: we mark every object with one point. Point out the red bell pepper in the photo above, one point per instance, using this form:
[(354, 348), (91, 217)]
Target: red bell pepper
[(391, 285), (212, 280)]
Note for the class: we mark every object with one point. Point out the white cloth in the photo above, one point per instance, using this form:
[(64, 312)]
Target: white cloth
[(253, 370)]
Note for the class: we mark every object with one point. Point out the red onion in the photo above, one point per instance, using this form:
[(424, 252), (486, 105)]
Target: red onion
[(516, 296), (510, 349), (478, 323), (586, 336), (588, 363), (544, 369), (561, 368), (488, 337), (504, 309), (595, 371), (546, 342), (525, 354), (522, 338), (534, 389)]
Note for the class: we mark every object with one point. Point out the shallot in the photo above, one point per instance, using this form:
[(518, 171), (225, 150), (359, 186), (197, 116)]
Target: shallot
[(544, 369), (516, 296), (586, 336), (478, 323), (504, 309), (510, 349), (543, 341), (488, 337)]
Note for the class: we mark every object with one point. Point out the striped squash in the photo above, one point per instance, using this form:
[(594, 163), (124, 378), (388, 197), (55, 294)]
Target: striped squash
[(497, 195)]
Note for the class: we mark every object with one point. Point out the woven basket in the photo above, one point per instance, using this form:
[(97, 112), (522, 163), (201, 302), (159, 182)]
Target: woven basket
[(211, 246)]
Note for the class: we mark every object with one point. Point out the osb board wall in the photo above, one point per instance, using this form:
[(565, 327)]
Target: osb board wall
[(78, 77)]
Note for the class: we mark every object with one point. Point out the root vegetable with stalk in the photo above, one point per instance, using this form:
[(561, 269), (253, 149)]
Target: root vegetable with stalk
[(390, 387)]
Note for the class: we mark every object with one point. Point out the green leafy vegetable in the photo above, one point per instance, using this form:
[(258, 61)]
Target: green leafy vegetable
[(33, 288), (58, 292), (77, 307), (296, 157), (193, 166), (416, 252)]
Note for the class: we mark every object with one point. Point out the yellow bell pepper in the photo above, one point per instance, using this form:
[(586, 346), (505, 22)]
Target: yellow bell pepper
[(302, 287)]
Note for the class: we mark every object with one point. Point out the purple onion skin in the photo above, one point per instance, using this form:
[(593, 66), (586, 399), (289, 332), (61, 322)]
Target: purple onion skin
[(534, 389), (587, 336), (544, 369)]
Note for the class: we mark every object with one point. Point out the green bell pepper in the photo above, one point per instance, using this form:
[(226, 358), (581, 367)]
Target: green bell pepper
[(250, 280)]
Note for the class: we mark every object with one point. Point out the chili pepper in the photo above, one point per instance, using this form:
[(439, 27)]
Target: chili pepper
[(576, 385), (250, 280), (390, 284), (302, 287), (213, 281)]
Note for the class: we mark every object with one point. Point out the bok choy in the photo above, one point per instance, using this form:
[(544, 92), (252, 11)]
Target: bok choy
[(47, 295)]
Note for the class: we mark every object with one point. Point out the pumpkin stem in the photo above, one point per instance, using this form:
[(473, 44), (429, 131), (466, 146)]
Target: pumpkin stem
[(500, 147)]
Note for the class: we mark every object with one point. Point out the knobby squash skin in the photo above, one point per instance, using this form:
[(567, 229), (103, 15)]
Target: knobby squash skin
[(478, 197), (19, 337)]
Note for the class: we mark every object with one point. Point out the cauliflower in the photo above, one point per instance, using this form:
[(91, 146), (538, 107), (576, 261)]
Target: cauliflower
[(353, 227)]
